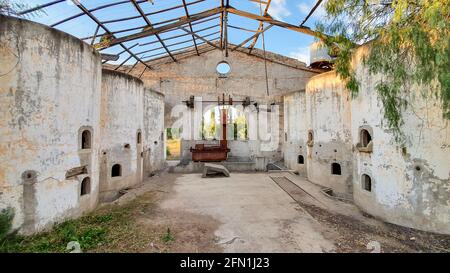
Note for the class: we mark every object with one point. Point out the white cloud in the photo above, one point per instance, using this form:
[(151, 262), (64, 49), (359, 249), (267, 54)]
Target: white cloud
[(306, 7), (278, 9), (301, 54)]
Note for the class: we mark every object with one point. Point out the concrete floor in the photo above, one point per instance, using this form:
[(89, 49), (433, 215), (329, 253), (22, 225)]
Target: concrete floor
[(256, 215), (262, 212)]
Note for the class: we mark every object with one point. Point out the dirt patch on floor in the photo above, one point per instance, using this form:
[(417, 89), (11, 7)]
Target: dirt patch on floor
[(132, 223), (354, 234), (162, 230)]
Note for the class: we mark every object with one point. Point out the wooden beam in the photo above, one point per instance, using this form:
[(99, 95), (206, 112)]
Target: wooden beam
[(109, 57), (123, 51), (150, 13), (182, 21), (174, 44), (260, 2), (221, 25), (200, 37), (95, 35), (190, 26), (147, 21), (270, 20), (241, 28), (40, 7), (178, 51), (156, 24), (178, 36), (90, 10), (260, 27), (95, 19), (252, 37), (226, 31)]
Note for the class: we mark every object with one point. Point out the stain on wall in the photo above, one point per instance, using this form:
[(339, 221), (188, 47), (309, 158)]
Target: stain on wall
[(121, 118), (153, 132), (40, 67), (197, 76), (328, 113), (408, 181)]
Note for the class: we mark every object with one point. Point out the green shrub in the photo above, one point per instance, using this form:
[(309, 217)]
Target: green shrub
[(6, 218)]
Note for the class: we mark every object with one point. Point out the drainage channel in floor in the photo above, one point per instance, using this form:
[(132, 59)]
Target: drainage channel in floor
[(296, 192)]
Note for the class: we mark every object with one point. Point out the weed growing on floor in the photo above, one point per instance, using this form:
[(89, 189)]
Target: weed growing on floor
[(168, 237), (89, 231), (108, 229)]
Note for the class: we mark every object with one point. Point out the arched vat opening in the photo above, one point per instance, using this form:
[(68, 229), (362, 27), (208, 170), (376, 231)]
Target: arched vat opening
[(139, 137), (85, 186), (116, 170), (365, 137), (300, 159), (366, 182), (86, 139)]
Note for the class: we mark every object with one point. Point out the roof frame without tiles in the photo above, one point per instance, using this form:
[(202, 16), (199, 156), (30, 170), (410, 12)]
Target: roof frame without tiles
[(104, 38)]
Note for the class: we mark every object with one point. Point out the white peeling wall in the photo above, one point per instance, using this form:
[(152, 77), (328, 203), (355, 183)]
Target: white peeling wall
[(49, 89), (410, 181), (328, 117), (197, 76), (122, 109), (296, 131), (154, 148)]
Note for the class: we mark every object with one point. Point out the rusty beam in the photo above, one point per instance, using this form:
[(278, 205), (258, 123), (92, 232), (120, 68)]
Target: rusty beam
[(270, 20), (178, 51), (155, 24), (190, 26), (221, 24), (178, 36), (225, 25), (149, 24), (40, 7), (241, 28), (174, 44), (251, 37), (260, 27), (311, 12), (182, 21), (95, 34), (200, 37), (95, 19), (150, 13), (123, 51), (90, 10)]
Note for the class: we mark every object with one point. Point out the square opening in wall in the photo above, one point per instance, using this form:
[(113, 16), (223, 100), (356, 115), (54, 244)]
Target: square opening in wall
[(336, 169)]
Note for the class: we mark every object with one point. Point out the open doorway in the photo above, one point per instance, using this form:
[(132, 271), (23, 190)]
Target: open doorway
[(173, 144), (237, 127)]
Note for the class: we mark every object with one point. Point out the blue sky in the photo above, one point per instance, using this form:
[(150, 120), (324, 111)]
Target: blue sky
[(277, 39)]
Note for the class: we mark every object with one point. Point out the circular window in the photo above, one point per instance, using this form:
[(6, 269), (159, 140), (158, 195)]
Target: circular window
[(223, 68)]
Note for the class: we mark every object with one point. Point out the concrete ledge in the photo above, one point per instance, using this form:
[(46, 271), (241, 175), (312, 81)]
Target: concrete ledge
[(197, 167)]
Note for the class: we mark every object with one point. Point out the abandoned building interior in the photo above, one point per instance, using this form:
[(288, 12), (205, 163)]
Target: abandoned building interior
[(79, 127)]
